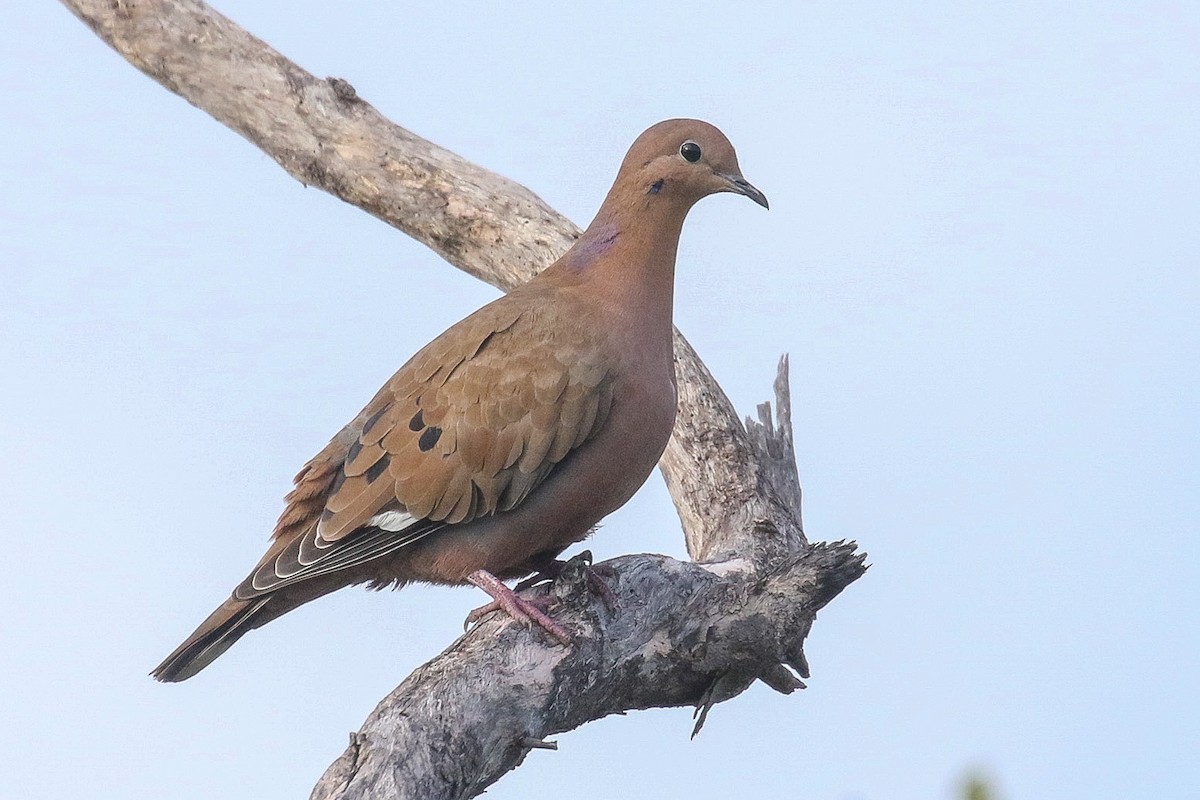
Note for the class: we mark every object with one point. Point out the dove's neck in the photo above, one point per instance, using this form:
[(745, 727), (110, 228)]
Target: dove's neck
[(627, 258)]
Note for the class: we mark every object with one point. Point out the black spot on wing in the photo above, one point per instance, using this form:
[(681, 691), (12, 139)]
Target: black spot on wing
[(378, 468), (429, 438), (417, 422), (371, 420), (355, 449)]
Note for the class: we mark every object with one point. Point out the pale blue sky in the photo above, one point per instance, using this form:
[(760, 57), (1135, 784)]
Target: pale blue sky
[(983, 255)]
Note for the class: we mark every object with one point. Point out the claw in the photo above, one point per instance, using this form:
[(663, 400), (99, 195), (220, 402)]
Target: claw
[(479, 613)]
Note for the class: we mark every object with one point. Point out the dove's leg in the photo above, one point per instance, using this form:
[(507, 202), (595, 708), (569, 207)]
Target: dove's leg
[(520, 609)]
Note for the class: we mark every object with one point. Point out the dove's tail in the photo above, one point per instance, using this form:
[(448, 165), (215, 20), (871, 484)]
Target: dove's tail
[(226, 625)]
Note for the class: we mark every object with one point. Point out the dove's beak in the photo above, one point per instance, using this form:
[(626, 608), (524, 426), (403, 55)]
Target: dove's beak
[(742, 186)]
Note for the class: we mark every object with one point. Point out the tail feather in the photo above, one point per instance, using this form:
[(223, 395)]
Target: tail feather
[(226, 625)]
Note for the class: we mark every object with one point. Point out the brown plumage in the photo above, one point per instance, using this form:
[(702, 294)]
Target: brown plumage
[(508, 437)]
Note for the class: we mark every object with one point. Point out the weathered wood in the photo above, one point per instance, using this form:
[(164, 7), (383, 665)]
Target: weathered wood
[(324, 135), (724, 488), (684, 633)]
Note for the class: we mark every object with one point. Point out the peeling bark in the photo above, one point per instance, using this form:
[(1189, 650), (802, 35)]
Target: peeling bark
[(683, 633)]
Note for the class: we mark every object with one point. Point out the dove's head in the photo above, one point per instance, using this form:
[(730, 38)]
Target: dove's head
[(683, 160)]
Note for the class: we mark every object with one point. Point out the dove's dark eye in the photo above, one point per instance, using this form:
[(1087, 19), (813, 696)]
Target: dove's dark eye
[(690, 151)]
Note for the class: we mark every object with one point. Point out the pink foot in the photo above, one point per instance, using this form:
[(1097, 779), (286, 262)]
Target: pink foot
[(518, 608)]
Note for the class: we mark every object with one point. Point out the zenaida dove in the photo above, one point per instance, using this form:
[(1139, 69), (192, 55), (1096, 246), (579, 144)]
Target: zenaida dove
[(508, 437)]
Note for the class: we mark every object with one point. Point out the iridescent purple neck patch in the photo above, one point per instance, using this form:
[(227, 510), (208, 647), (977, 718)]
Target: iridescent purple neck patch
[(593, 243)]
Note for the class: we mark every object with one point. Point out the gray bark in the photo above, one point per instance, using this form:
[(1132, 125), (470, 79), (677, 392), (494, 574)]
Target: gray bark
[(682, 633)]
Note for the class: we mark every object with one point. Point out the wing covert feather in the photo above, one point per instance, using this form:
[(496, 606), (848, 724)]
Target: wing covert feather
[(472, 424)]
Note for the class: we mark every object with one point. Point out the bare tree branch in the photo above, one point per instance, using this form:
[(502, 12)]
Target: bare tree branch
[(463, 720), (684, 633), (325, 136)]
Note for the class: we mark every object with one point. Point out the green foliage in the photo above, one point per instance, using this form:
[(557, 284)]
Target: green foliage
[(976, 787)]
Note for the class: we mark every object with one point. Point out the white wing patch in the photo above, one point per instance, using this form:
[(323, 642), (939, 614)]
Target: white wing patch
[(394, 521)]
